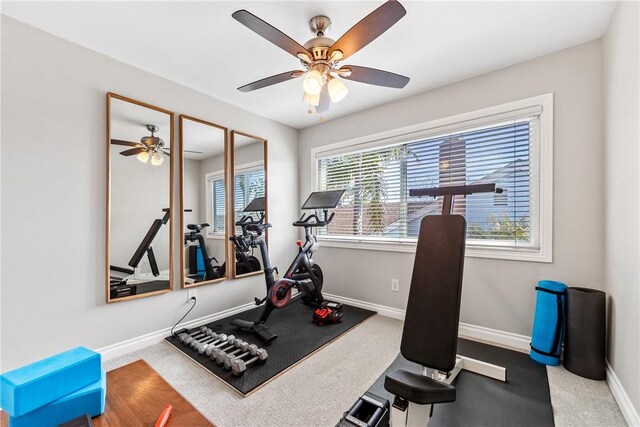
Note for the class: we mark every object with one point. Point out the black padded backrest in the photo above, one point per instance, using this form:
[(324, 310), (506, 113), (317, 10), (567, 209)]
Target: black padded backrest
[(430, 334)]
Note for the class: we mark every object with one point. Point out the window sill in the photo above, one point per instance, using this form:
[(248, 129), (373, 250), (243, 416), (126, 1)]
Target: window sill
[(531, 255)]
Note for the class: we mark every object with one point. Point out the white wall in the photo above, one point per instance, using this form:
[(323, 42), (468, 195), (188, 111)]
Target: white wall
[(497, 294), (622, 195), (53, 197)]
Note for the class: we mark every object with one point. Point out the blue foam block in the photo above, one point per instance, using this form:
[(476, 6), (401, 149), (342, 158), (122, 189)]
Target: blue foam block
[(88, 400), (30, 387)]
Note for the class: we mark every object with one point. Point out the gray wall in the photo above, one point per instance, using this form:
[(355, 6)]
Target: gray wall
[(497, 294), (53, 201), (622, 191)]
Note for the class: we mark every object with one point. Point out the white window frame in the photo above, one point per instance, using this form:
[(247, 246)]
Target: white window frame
[(209, 179), (541, 163)]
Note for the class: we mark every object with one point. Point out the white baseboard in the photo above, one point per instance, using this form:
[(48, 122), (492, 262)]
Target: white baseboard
[(494, 336), (382, 310), (118, 349), (622, 398), (466, 330)]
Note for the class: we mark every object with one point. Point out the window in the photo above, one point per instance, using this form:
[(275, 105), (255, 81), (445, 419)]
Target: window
[(504, 147), (249, 184), (215, 205)]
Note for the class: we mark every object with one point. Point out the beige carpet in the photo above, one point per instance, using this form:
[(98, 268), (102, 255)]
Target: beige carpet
[(579, 401), (317, 391)]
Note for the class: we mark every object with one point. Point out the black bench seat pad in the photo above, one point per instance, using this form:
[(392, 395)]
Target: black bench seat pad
[(418, 389)]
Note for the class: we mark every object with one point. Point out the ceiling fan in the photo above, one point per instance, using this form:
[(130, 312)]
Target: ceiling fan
[(320, 56), (149, 147)]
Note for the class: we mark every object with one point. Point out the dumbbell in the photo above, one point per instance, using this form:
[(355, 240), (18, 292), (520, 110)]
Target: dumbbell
[(222, 355), (184, 336), (224, 340), (205, 334), (218, 340), (238, 366), (195, 344), (212, 336), (251, 350), (230, 343)]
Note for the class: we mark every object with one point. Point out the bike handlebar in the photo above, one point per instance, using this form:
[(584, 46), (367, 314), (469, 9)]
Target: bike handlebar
[(248, 220), (304, 222)]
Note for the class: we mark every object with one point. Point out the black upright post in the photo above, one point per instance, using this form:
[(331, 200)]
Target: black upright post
[(585, 333)]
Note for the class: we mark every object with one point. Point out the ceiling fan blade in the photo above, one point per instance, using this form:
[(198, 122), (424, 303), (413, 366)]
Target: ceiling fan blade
[(272, 80), (325, 100), (194, 152), (269, 32), (369, 28), (126, 143), (374, 76), (133, 151)]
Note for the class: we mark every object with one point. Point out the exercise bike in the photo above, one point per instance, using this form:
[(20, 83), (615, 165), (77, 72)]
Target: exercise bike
[(211, 272), (303, 274), (243, 243)]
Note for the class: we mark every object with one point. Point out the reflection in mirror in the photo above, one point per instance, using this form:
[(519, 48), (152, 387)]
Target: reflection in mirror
[(249, 154), (139, 141), (204, 195)]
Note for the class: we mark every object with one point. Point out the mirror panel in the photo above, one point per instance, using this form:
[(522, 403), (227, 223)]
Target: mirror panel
[(249, 161), (204, 201), (139, 193)]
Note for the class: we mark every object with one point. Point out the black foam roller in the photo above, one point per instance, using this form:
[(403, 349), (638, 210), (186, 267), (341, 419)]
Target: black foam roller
[(585, 333)]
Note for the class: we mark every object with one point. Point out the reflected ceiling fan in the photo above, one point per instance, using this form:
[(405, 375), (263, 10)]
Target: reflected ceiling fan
[(149, 147), (321, 55)]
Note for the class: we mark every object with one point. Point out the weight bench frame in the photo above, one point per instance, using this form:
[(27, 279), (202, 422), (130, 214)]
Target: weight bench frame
[(418, 415)]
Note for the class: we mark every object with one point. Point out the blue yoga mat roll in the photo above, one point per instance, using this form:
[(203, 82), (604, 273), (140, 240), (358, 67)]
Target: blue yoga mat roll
[(548, 323)]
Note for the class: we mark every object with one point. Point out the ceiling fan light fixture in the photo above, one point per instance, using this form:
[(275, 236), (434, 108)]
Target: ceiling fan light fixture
[(312, 83), (337, 90), (304, 57), (143, 157), (311, 99), (336, 55), (157, 159)]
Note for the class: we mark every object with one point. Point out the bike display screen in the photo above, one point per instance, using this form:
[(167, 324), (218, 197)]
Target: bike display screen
[(323, 200)]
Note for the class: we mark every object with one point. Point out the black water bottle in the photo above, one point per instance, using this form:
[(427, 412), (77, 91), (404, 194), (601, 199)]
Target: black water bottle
[(585, 333)]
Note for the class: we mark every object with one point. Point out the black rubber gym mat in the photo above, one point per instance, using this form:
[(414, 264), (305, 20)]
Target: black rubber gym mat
[(523, 400), (298, 336)]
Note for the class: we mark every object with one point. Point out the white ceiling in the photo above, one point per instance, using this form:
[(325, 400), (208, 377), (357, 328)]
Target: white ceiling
[(199, 45)]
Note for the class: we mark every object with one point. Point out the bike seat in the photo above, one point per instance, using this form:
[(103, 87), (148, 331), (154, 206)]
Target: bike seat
[(197, 227), (418, 388), (258, 228)]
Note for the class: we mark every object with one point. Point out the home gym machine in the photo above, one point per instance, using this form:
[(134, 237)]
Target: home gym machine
[(211, 272), (121, 286), (302, 275), (430, 333), (243, 243)]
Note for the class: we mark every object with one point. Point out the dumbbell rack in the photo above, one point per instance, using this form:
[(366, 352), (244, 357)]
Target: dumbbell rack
[(227, 351)]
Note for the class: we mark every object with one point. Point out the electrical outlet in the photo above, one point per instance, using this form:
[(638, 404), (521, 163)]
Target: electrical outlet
[(193, 294), (395, 285)]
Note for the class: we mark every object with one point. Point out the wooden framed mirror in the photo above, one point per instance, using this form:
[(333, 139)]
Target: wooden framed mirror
[(203, 201), (139, 223), (249, 195)]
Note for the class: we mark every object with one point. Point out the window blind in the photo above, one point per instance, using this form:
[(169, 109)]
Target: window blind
[(248, 185), (377, 205), (217, 206)]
